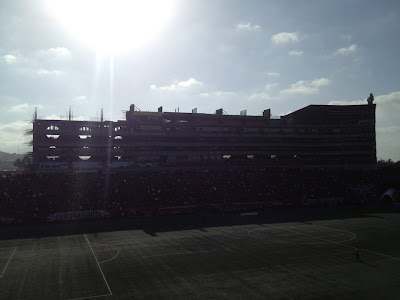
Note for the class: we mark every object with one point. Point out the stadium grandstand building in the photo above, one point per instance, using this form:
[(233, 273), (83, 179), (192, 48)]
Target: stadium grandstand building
[(316, 135)]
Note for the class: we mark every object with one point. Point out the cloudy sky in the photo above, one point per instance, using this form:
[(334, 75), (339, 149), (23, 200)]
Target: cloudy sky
[(204, 54)]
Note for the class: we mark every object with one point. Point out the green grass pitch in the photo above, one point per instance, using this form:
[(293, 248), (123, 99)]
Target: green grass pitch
[(258, 258)]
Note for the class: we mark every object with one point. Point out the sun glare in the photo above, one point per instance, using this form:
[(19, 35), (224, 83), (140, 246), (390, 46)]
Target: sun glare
[(113, 26)]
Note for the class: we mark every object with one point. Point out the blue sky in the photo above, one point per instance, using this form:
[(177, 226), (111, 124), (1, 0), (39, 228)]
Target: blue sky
[(237, 55)]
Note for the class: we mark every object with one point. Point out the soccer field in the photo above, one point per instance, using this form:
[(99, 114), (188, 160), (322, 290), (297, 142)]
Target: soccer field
[(266, 259)]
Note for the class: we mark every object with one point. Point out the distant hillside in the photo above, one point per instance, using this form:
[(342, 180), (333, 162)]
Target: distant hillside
[(7, 160)]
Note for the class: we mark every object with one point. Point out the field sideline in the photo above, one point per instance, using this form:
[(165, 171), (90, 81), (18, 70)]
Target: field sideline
[(256, 257)]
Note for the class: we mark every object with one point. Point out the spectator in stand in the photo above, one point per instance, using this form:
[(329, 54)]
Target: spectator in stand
[(45, 193)]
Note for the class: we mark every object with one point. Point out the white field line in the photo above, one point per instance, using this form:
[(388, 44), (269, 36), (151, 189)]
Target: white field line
[(375, 226), (341, 241), (101, 271), (89, 297), (324, 243), (338, 243), (177, 253), (111, 246), (8, 262)]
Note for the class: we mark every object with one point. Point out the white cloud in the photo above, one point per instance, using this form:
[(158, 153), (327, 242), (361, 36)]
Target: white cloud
[(19, 108), (188, 83), (270, 86), (24, 107), (387, 142), (45, 72), (393, 97), (12, 136), (62, 117), (306, 87), (264, 95), (283, 38), (178, 86), (295, 53), (54, 117), (347, 51), (38, 59), (248, 27), (57, 52), (9, 58), (387, 106), (218, 94), (41, 63), (13, 57), (259, 96)]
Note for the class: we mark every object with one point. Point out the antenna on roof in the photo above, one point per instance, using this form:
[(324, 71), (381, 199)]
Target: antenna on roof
[(133, 107), (70, 114), (101, 116)]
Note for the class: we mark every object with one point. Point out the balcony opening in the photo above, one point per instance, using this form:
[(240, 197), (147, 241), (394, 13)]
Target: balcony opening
[(85, 157), (52, 157), (85, 128), (52, 127)]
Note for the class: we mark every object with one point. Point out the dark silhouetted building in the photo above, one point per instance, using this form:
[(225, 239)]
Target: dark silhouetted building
[(316, 135)]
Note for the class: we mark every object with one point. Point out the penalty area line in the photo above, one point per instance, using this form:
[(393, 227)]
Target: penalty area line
[(8, 262), (102, 274)]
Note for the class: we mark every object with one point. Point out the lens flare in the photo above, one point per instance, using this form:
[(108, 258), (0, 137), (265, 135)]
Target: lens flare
[(113, 26)]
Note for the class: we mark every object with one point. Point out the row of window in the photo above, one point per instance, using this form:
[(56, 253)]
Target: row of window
[(81, 136), (87, 128)]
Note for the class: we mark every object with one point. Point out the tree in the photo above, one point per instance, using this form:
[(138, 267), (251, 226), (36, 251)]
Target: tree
[(23, 164), (385, 163)]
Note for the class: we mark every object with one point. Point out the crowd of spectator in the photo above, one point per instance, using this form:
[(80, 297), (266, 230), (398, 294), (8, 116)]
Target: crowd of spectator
[(40, 194)]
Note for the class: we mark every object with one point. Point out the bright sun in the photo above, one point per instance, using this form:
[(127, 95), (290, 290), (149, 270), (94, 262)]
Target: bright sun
[(113, 26)]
